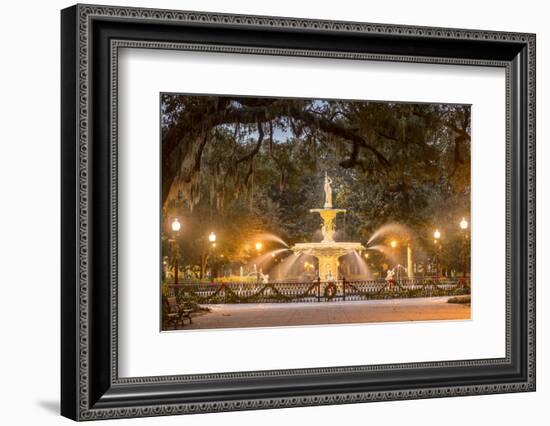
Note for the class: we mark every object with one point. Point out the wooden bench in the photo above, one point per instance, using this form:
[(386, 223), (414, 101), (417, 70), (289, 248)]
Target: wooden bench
[(176, 314)]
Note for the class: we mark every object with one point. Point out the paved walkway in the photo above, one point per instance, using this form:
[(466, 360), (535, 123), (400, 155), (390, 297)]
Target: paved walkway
[(286, 314)]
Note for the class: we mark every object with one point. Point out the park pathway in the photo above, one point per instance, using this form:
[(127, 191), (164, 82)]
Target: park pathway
[(288, 314)]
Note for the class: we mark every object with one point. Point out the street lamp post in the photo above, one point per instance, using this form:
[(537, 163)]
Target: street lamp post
[(165, 268), (393, 245), (464, 227), (437, 236), (212, 238), (176, 226)]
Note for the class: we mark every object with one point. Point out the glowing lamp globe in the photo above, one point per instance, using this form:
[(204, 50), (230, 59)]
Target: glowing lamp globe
[(176, 225)]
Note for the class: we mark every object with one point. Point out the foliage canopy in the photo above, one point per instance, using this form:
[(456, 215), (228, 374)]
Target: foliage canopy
[(246, 165)]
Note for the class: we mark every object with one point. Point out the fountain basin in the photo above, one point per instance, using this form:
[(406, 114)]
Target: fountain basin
[(327, 254)]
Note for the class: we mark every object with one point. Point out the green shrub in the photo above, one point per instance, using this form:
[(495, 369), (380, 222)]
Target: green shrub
[(460, 299), (165, 290), (235, 279)]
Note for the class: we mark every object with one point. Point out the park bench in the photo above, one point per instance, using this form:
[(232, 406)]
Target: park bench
[(176, 313)]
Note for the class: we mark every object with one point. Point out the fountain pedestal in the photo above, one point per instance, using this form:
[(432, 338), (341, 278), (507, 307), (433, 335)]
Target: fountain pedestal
[(328, 229)]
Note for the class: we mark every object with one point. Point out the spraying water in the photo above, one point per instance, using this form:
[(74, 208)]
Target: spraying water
[(390, 229), (361, 264), (268, 256), (283, 270), (271, 237), (390, 253)]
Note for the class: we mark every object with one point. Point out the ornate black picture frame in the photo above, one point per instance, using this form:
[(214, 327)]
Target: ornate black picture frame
[(91, 388)]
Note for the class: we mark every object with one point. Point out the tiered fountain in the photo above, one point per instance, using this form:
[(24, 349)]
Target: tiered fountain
[(328, 251)]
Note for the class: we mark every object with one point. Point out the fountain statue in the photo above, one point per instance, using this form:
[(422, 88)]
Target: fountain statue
[(328, 251), (328, 192)]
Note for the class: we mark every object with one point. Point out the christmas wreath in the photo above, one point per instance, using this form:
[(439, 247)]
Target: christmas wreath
[(330, 291)]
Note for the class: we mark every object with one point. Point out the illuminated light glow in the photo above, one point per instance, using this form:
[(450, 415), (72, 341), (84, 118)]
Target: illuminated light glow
[(176, 225), (437, 234), (259, 246), (212, 237), (393, 243), (464, 223)]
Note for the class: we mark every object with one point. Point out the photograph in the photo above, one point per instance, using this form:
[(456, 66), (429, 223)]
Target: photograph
[(282, 212)]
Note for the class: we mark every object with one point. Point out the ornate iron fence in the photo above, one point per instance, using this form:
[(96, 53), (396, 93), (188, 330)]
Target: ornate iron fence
[(317, 291)]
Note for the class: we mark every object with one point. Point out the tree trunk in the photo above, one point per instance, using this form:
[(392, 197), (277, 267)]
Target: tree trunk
[(204, 262)]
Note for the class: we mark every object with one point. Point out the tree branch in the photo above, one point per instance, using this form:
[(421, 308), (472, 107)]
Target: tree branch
[(446, 123), (341, 131), (256, 149)]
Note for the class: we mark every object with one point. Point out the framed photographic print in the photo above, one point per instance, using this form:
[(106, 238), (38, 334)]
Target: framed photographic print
[(263, 212)]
